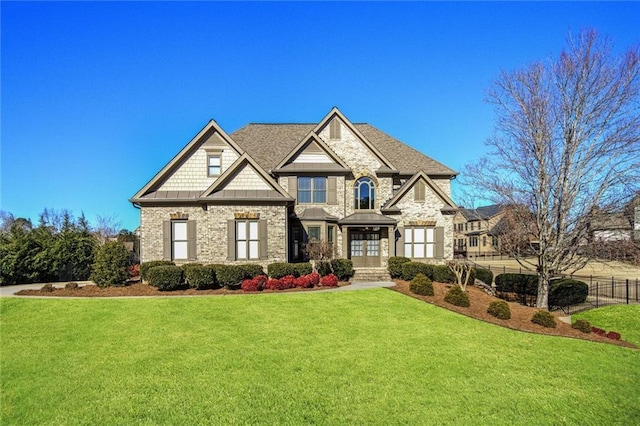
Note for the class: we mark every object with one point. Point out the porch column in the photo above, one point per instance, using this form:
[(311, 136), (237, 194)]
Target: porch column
[(345, 241), (391, 240)]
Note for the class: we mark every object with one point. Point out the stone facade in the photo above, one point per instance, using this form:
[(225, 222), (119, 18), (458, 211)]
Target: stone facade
[(212, 218)]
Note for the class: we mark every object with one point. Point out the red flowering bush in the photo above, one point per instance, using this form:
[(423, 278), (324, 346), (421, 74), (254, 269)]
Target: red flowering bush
[(257, 283), (314, 277), (329, 281), (598, 331), (304, 281), (134, 270), (613, 335), (287, 282), (272, 284)]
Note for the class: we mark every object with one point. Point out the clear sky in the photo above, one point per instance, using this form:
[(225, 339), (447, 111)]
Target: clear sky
[(97, 97)]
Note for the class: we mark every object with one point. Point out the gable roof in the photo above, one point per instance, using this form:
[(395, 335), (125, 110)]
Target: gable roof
[(309, 139), (208, 130), (217, 191), (410, 183), (270, 144), (482, 213)]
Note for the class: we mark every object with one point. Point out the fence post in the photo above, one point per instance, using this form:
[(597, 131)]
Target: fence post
[(636, 289), (627, 286), (612, 289), (597, 295)]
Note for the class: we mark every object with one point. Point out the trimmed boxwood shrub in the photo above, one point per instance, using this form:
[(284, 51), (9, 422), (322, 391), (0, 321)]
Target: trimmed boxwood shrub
[(421, 285), (324, 267), (411, 269), (582, 325), (167, 277), (230, 276), (47, 288), (456, 296), (544, 318), (499, 309), (567, 292), (395, 265), (110, 265), (145, 266), (517, 283), (302, 269), (484, 275), (199, 277), (71, 286), (442, 274), (342, 269), (278, 270)]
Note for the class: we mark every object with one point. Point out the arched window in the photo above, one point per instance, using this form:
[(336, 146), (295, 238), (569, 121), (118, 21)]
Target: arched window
[(365, 194)]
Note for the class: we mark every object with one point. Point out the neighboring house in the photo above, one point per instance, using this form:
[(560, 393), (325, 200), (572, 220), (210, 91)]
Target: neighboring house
[(477, 231), (609, 227), (261, 193)]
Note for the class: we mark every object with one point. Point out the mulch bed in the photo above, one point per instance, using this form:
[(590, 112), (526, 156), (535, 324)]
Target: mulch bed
[(520, 315)]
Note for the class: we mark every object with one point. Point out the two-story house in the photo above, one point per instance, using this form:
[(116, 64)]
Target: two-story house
[(477, 231), (262, 192)]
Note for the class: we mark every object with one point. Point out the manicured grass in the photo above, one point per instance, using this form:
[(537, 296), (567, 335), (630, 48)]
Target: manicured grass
[(365, 357), (624, 319)]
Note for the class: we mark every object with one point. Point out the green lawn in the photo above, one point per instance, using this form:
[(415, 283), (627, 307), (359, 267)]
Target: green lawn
[(364, 357), (625, 319)]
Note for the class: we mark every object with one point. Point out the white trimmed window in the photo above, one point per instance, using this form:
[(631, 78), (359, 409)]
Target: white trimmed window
[(419, 242), (179, 242), (247, 240), (214, 165)]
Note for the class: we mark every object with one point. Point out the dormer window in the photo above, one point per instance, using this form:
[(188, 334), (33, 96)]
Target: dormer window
[(364, 194)]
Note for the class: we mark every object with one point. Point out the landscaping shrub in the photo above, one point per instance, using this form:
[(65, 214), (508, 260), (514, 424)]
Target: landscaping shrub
[(499, 309), (456, 296), (47, 288), (278, 270), (301, 269), (71, 286), (544, 319), (273, 284), (167, 277), (329, 281), (134, 270), (199, 277), (110, 265), (145, 266), (230, 276), (287, 282), (342, 269), (324, 268), (421, 285), (395, 265), (442, 274), (567, 292), (315, 279), (599, 331), (582, 325), (411, 269), (517, 283), (613, 335), (251, 270), (484, 275), (257, 283), (304, 281)]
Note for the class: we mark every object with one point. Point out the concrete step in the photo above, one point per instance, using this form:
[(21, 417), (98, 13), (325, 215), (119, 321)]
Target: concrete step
[(371, 275)]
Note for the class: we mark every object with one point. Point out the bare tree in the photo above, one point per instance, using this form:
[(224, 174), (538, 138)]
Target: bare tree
[(318, 251), (567, 141), (462, 270), (106, 227)]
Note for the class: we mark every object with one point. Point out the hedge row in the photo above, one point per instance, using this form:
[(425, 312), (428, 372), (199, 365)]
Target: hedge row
[(562, 292), (261, 282), (341, 268), (438, 273)]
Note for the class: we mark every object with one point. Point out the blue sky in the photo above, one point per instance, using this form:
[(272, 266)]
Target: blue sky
[(97, 97)]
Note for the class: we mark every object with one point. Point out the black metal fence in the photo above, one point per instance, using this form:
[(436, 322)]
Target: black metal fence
[(603, 291)]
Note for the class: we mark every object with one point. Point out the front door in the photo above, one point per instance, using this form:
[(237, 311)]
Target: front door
[(364, 248)]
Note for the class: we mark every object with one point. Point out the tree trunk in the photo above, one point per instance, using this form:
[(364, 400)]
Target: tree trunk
[(542, 301)]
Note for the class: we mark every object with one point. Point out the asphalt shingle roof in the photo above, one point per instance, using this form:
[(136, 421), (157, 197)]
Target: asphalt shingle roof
[(269, 144)]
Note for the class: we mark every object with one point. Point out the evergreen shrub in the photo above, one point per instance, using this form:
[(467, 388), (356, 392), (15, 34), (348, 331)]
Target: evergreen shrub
[(421, 285), (499, 309), (110, 265), (395, 265), (165, 278), (582, 325), (544, 318), (411, 269), (457, 297), (145, 266), (199, 276)]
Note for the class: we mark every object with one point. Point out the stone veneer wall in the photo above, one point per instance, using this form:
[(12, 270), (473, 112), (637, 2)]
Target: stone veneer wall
[(211, 228), (429, 210)]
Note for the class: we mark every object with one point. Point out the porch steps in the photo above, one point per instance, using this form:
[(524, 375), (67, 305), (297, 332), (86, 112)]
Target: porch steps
[(370, 275)]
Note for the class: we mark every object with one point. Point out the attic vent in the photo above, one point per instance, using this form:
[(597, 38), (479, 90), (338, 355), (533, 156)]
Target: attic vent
[(179, 216), (334, 129)]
